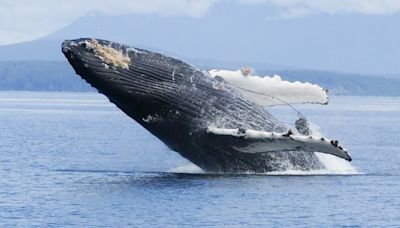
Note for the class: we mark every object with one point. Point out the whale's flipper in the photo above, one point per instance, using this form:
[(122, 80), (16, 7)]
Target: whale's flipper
[(251, 141), (268, 91)]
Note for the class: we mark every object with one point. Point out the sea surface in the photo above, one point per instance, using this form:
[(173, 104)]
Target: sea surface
[(74, 159)]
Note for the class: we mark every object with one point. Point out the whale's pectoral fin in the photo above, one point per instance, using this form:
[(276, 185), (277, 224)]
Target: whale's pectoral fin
[(270, 91), (251, 141)]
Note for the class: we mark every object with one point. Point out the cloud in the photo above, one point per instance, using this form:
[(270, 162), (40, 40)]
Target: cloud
[(23, 20), (299, 8)]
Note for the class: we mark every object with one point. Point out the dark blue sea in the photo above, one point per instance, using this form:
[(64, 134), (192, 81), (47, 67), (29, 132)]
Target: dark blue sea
[(74, 159)]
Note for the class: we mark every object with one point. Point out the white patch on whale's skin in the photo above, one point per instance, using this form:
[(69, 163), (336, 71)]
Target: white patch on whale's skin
[(274, 142), (269, 91), (173, 74), (134, 50), (73, 43), (151, 118)]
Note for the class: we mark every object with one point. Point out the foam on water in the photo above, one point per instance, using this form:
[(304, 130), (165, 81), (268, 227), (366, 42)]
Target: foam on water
[(188, 168), (333, 166)]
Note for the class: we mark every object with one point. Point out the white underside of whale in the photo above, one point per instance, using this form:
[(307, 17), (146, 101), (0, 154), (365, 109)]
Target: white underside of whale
[(269, 91)]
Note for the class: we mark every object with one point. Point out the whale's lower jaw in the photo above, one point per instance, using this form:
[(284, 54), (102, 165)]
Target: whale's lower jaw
[(214, 154), (219, 155), (224, 155), (176, 103)]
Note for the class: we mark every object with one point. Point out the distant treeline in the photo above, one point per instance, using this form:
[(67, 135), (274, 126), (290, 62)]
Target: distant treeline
[(59, 76), (345, 84), (40, 76)]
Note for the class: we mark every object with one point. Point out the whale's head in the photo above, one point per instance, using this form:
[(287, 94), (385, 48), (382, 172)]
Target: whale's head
[(151, 88), (109, 67)]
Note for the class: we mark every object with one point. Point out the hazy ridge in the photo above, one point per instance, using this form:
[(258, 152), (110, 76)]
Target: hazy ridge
[(323, 42), (59, 76)]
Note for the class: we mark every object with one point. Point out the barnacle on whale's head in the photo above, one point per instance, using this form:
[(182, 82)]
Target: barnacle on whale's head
[(109, 54)]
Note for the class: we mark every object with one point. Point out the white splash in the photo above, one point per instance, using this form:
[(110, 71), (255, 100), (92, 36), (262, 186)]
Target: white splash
[(189, 168), (335, 165), (267, 91)]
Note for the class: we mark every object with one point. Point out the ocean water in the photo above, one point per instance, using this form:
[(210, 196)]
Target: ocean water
[(73, 159)]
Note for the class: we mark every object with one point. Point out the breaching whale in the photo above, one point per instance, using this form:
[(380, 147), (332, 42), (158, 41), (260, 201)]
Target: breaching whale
[(205, 119)]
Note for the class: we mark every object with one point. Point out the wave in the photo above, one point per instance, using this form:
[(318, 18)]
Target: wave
[(333, 166), (187, 169)]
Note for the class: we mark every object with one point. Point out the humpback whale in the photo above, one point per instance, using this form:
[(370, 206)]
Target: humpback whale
[(195, 113)]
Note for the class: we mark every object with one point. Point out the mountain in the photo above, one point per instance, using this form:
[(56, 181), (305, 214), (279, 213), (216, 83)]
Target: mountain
[(38, 50), (316, 48), (341, 43), (59, 76)]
